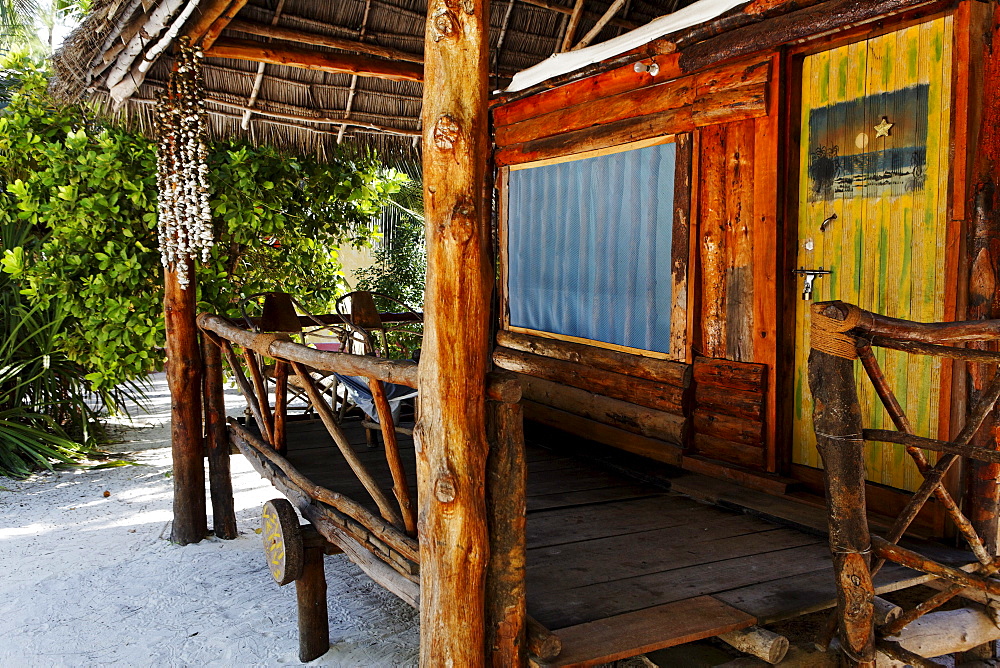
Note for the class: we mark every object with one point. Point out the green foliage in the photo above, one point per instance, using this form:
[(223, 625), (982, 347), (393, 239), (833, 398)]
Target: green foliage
[(88, 192), (44, 413), (401, 259), (400, 263)]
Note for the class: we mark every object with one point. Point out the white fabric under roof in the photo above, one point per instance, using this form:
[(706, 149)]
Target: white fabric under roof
[(561, 63)]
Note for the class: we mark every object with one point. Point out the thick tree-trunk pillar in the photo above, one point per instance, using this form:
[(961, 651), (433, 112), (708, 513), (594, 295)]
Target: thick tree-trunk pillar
[(190, 523), (451, 436), (983, 490), (217, 443), (506, 507), (837, 421)]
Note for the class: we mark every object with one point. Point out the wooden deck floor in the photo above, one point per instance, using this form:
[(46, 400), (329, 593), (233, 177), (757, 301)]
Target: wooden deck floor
[(611, 557)]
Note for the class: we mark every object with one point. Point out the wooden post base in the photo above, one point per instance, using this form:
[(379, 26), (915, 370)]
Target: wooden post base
[(310, 590), (295, 554)]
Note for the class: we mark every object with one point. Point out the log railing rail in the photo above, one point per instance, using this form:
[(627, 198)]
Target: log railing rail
[(383, 544), (301, 360), (841, 333)]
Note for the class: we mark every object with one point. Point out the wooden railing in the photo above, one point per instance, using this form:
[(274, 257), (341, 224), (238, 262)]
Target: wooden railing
[(384, 545), (842, 333), (388, 538)]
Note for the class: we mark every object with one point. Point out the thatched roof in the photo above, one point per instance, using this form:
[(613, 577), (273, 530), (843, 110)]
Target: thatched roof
[(307, 110)]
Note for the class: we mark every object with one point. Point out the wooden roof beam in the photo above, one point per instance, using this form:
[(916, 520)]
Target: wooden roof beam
[(574, 21), (552, 7), (220, 24), (318, 39), (211, 10), (599, 26), (337, 63)]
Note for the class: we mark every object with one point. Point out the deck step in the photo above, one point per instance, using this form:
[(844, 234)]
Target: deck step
[(633, 633)]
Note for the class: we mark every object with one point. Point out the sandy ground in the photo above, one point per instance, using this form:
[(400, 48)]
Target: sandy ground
[(90, 579)]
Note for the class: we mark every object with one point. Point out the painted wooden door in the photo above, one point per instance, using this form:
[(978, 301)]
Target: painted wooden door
[(875, 140)]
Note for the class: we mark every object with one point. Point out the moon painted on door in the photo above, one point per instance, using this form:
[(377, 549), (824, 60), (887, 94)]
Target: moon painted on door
[(862, 165)]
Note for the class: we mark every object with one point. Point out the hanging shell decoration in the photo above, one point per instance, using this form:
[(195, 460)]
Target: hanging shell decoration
[(184, 214)]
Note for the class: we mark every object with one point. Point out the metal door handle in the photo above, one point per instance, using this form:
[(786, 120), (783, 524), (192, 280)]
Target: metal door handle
[(810, 276)]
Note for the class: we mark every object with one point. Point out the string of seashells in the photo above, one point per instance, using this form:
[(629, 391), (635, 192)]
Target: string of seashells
[(184, 216)]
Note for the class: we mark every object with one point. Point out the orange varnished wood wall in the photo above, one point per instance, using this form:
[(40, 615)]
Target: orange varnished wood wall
[(730, 119)]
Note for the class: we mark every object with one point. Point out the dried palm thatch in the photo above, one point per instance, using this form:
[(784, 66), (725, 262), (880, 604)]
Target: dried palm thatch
[(121, 55)]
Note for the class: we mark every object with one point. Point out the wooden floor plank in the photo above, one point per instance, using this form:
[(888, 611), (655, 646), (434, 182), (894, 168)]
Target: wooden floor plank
[(661, 550), (588, 497), (607, 552), (800, 594), (552, 464), (569, 525), (573, 480), (558, 609), (646, 630)]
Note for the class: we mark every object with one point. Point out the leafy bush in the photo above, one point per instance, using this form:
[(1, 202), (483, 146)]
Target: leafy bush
[(89, 191), (400, 266), (81, 287), (44, 412)]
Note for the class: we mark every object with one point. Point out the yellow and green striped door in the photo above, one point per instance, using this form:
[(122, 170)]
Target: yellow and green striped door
[(875, 138)]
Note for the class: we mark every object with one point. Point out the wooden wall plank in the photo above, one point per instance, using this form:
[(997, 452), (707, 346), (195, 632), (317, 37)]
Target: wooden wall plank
[(713, 242), (720, 449), (657, 450), (660, 396), (641, 102), (621, 414), (740, 252), (768, 192), (707, 110), (650, 368), (680, 249), (623, 80), (727, 427), (725, 373)]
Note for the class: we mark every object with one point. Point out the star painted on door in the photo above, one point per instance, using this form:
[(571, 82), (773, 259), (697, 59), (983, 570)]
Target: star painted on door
[(882, 129)]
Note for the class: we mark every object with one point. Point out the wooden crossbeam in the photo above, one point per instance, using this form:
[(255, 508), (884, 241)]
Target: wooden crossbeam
[(319, 39), (259, 52), (220, 24), (211, 10), (574, 22), (599, 26), (553, 7), (913, 443), (900, 555)]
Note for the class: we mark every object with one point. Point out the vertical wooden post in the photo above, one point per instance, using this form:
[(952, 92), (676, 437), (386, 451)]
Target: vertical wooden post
[(217, 442), (837, 421), (983, 243), (310, 593), (190, 523), (451, 435), (506, 508)]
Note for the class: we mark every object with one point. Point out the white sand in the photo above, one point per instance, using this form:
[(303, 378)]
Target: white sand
[(89, 580)]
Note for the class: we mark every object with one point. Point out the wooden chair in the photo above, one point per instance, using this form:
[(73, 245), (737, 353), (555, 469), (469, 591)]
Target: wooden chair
[(279, 315), (368, 332)]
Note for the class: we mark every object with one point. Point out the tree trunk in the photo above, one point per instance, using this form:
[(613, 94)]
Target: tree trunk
[(837, 421), (983, 491), (190, 523), (451, 436), (217, 443)]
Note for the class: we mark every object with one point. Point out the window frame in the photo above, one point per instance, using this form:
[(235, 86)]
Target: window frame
[(680, 251)]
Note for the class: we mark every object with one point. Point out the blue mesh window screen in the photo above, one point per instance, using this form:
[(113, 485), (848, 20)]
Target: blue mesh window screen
[(589, 247)]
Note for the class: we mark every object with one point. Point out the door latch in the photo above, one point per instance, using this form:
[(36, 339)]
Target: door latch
[(810, 276)]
